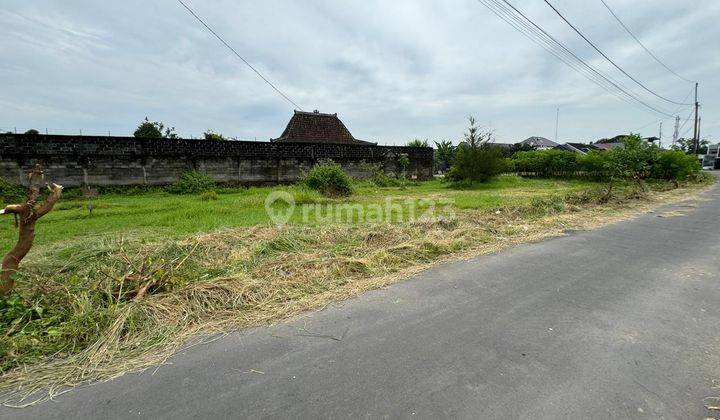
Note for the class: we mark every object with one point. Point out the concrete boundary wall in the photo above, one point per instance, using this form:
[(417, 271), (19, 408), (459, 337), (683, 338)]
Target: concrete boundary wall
[(79, 160)]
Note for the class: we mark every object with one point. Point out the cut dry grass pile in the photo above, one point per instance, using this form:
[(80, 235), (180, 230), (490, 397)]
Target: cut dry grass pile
[(95, 309)]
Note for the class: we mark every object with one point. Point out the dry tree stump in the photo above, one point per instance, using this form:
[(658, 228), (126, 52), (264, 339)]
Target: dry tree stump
[(26, 215)]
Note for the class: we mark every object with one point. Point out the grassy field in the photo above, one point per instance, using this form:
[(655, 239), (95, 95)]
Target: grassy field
[(162, 213), (126, 287)]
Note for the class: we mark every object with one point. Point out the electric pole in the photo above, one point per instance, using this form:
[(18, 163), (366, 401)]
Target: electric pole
[(660, 136), (557, 121), (676, 133), (696, 140)]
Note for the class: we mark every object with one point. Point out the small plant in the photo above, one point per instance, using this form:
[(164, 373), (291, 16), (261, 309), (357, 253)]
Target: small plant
[(378, 176), (417, 143), (155, 130), (404, 163), (211, 135), (444, 155), (328, 178), (193, 182), (209, 195)]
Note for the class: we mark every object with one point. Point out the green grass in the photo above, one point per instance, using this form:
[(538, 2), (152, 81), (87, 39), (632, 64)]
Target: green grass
[(213, 264), (162, 213)]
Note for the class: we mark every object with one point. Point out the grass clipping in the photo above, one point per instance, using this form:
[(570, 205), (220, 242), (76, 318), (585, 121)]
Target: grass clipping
[(103, 306)]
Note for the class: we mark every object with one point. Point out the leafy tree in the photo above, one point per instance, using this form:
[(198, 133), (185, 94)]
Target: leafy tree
[(444, 155), (688, 145), (32, 132), (211, 135), (476, 159), (635, 160), (155, 130), (417, 143)]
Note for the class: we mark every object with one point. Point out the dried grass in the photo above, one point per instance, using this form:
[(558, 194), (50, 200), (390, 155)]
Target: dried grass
[(228, 279)]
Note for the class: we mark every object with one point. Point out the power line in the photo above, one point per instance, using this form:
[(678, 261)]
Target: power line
[(557, 49), (641, 44), (537, 37), (667, 118), (239, 56), (608, 58)]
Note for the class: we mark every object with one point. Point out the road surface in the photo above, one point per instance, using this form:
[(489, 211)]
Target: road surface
[(620, 322)]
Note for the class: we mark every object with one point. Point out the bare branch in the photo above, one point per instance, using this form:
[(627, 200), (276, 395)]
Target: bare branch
[(55, 192)]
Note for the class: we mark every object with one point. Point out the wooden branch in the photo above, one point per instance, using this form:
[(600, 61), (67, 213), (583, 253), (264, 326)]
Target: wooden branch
[(13, 209), (28, 215), (55, 192)]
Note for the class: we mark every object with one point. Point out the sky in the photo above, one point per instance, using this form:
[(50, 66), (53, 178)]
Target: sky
[(392, 70)]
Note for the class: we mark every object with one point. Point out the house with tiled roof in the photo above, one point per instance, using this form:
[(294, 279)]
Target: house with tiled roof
[(317, 127), (580, 148), (540, 143)]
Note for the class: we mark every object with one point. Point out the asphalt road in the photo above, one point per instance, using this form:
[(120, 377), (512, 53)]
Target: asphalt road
[(620, 322)]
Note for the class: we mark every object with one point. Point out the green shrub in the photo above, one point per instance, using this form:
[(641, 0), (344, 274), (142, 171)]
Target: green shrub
[(209, 196), (635, 160), (417, 143), (476, 159), (328, 178), (546, 163), (211, 135), (597, 164), (154, 129), (675, 165), (193, 182), (11, 193)]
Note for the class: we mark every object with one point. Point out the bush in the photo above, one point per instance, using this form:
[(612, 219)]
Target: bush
[(328, 178), (476, 159), (597, 164), (192, 182), (211, 135), (635, 160), (154, 129), (11, 193), (546, 163), (417, 143), (675, 165)]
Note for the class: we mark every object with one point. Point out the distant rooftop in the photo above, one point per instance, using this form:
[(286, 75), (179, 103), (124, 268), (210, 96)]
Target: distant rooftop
[(317, 127), (538, 142)]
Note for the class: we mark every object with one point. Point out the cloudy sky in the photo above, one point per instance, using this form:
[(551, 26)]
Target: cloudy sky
[(392, 70)]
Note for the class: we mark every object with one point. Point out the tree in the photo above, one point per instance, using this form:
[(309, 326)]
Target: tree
[(444, 155), (211, 135), (476, 159), (417, 143), (155, 130), (688, 146), (26, 215), (32, 132)]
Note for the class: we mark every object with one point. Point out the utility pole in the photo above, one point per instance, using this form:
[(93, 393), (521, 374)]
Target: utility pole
[(699, 122), (557, 122), (660, 136), (696, 139), (676, 133)]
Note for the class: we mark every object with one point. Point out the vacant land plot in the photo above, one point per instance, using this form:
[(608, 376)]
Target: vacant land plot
[(123, 288)]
